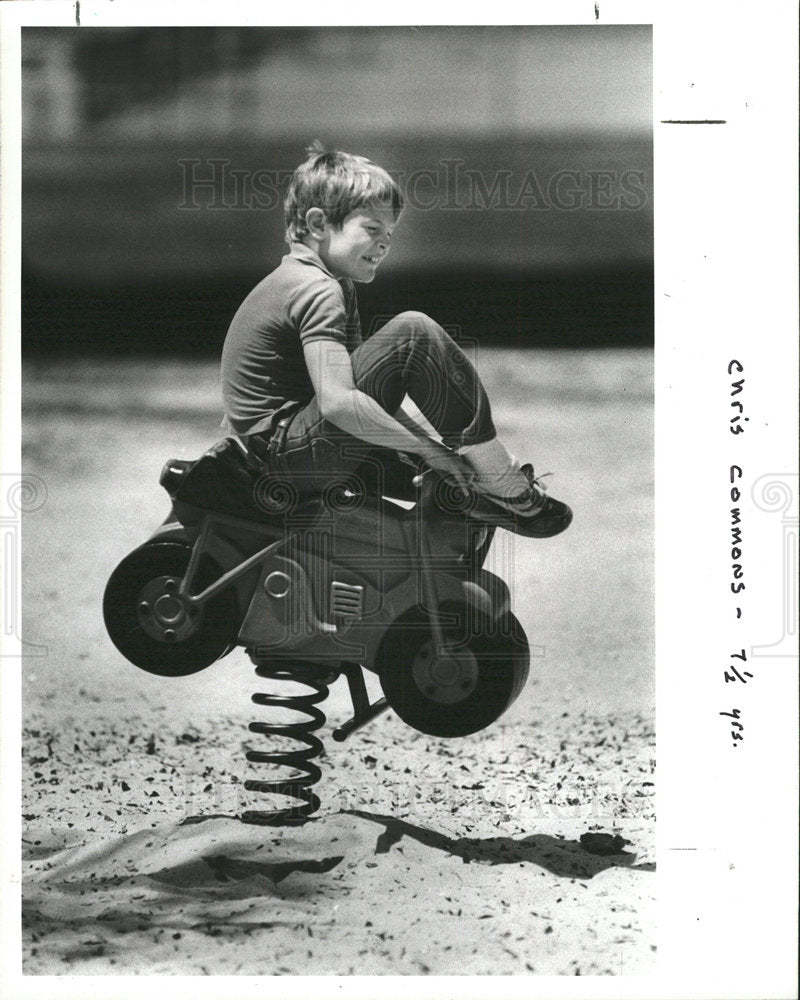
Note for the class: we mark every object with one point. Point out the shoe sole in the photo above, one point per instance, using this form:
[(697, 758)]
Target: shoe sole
[(534, 527)]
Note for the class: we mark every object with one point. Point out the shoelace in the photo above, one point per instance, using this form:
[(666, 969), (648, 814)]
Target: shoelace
[(537, 491), (537, 481), (536, 485)]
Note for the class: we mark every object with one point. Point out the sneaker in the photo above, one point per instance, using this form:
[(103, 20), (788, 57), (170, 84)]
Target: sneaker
[(532, 513)]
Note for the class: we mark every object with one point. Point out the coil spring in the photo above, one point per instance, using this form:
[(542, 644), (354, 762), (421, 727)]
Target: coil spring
[(317, 678)]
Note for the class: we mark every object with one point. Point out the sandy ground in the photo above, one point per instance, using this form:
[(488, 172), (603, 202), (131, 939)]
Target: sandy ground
[(428, 856)]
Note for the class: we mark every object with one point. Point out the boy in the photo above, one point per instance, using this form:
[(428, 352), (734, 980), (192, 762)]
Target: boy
[(314, 402)]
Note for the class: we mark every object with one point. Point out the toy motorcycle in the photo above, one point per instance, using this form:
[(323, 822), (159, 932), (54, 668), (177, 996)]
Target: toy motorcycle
[(318, 585)]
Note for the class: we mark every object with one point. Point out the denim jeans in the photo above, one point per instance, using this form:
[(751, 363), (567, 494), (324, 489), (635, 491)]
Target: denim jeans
[(411, 355)]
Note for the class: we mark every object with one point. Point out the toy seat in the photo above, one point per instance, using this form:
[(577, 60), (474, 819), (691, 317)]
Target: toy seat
[(228, 480), (224, 479)]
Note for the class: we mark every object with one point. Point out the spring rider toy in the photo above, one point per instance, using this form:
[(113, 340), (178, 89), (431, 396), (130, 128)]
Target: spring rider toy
[(315, 586)]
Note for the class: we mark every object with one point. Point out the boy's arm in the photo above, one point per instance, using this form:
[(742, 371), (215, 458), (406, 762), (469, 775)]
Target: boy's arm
[(355, 412), (405, 419)]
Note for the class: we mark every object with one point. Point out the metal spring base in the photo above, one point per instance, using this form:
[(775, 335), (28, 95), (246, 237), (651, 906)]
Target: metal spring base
[(318, 678)]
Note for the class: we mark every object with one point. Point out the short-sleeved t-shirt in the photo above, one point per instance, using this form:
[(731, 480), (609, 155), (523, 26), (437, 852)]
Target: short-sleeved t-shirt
[(264, 374)]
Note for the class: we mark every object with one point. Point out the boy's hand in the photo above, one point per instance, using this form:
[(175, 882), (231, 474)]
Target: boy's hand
[(438, 456), (447, 463)]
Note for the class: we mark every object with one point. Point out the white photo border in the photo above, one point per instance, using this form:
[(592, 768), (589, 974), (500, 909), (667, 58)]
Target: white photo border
[(725, 113)]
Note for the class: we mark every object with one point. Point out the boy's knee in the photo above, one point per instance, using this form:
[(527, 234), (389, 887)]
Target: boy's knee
[(416, 317), (420, 321)]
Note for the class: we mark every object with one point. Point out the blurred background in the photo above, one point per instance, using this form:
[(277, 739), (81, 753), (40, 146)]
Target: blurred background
[(155, 162)]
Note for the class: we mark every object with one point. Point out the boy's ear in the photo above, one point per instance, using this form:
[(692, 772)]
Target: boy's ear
[(316, 221)]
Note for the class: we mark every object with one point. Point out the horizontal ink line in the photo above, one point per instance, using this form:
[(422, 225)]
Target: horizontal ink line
[(694, 121)]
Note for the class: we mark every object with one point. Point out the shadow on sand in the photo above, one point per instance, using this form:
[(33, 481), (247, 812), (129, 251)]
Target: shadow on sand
[(565, 858)]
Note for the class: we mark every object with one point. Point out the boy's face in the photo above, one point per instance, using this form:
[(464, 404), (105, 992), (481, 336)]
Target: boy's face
[(356, 249)]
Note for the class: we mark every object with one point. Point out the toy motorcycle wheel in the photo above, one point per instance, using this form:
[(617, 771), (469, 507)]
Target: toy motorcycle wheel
[(149, 623), (461, 688)]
